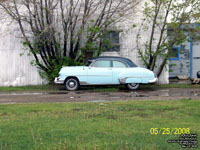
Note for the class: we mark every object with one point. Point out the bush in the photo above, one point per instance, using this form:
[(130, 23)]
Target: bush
[(51, 74)]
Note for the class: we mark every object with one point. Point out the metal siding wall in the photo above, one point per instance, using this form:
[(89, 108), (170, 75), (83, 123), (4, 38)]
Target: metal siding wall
[(181, 67), (195, 58), (15, 70)]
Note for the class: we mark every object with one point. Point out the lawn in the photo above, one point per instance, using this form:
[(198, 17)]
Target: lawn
[(30, 88), (39, 88), (98, 126)]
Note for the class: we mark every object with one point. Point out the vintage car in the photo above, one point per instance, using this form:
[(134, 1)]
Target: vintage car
[(105, 71)]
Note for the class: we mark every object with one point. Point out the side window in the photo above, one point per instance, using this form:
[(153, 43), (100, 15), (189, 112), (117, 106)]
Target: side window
[(118, 64), (101, 63), (174, 53)]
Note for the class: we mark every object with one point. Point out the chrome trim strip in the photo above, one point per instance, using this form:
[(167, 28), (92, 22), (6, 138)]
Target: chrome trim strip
[(57, 81), (123, 80), (83, 83), (89, 75), (139, 77), (101, 75), (154, 80)]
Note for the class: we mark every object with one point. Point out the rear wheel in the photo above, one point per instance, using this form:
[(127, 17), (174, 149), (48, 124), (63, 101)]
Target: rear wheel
[(71, 84), (133, 86)]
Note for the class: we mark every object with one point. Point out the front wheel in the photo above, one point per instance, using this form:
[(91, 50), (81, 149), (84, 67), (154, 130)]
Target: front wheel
[(133, 86), (71, 84)]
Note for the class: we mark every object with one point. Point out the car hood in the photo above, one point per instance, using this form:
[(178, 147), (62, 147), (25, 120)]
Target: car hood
[(71, 69)]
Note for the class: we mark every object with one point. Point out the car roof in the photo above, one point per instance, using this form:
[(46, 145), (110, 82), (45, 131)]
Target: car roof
[(128, 61)]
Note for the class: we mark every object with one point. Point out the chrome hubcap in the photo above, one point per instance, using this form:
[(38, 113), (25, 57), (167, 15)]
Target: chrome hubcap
[(133, 84), (71, 84)]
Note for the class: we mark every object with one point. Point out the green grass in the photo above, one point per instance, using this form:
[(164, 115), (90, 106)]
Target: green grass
[(98, 126), (93, 88), (30, 88)]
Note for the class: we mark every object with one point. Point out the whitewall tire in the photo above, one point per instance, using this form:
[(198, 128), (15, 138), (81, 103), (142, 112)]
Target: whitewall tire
[(133, 86), (71, 84)]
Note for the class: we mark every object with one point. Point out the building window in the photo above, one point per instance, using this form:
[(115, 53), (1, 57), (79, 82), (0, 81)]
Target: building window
[(175, 53), (111, 42)]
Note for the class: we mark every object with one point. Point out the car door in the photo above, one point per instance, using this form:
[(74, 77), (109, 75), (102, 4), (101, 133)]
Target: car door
[(117, 68), (100, 72)]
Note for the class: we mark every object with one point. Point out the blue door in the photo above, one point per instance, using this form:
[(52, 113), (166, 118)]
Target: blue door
[(100, 72), (118, 67)]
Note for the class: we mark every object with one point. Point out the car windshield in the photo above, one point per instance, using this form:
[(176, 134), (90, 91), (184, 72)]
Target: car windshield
[(88, 63)]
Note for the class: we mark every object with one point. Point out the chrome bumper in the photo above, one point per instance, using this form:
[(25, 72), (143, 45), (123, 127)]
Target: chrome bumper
[(154, 80), (58, 81)]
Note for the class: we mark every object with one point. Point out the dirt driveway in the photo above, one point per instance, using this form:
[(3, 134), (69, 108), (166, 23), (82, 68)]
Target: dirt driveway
[(87, 96)]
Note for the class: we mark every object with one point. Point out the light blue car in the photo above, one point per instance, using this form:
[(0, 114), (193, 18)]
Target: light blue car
[(105, 71)]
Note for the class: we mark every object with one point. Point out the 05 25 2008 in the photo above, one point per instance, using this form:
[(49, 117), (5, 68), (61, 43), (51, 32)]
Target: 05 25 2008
[(169, 131)]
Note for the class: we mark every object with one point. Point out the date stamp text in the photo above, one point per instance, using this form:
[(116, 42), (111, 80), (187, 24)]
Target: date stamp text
[(169, 131)]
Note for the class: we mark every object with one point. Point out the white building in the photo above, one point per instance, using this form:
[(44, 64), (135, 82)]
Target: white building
[(16, 70)]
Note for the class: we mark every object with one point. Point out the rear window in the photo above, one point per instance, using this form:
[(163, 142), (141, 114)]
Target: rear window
[(101, 63), (118, 64)]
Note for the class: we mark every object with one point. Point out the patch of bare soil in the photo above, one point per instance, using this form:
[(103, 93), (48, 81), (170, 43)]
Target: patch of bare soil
[(87, 96)]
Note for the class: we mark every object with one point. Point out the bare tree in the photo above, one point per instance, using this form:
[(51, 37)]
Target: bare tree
[(159, 17), (61, 32)]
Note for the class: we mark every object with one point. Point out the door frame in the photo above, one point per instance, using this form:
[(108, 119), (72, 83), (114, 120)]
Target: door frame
[(191, 57)]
